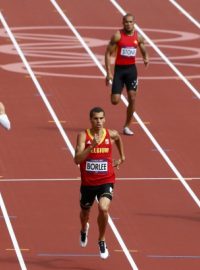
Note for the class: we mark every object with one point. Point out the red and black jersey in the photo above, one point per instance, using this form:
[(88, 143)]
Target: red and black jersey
[(126, 50), (97, 169)]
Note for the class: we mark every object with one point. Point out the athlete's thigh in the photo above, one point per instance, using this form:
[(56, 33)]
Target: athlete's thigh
[(87, 196), (131, 80), (105, 190), (118, 83)]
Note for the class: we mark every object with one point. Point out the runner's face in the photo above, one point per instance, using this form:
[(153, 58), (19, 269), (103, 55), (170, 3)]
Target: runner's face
[(128, 23), (97, 120)]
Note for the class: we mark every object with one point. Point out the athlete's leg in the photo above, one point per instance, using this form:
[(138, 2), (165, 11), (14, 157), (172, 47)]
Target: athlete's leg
[(117, 85), (84, 218), (2, 108), (115, 98), (102, 219), (130, 108), (86, 201), (131, 83)]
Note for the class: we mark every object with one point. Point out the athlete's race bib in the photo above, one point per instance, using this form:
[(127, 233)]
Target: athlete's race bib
[(128, 51), (96, 166)]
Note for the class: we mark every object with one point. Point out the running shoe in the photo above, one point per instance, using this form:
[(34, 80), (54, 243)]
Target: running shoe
[(84, 236), (4, 121), (103, 250), (127, 131)]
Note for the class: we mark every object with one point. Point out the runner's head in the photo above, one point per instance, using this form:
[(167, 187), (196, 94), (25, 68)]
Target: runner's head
[(128, 23), (96, 110), (97, 118)]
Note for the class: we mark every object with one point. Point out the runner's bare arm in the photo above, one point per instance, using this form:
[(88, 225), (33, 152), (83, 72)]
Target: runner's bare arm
[(81, 152), (115, 137), (143, 50), (110, 50)]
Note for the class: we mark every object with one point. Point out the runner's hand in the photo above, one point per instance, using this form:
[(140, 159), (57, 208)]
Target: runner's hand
[(95, 140), (109, 80), (146, 62), (117, 163)]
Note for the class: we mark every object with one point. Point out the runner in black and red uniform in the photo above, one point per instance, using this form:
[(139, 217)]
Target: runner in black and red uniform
[(94, 154), (124, 43)]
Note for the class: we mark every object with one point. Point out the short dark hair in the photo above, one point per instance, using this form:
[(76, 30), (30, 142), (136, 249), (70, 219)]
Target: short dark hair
[(96, 110), (128, 15)]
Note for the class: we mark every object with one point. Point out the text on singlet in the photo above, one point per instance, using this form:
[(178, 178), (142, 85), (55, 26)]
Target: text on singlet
[(128, 51), (96, 166)]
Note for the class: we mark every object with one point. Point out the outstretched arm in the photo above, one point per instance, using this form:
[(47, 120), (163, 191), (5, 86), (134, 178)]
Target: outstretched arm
[(143, 50)]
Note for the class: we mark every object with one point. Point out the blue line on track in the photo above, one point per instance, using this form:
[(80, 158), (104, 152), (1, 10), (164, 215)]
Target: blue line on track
[(11, 217), (66, 255), (173, 256)]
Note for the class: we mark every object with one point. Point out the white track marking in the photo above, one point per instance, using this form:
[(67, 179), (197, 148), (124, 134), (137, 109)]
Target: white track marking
[(62, 14), (75, 179), (122, 244), (12, 234), (182, 10), (162, 55), (148, 133), (51, 111), (38, 86), (114, 229), (40, 90)]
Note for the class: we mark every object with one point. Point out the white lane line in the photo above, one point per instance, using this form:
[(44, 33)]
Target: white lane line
[(40, 90), (182, 10), (162, 55), (148, 133), (114, 229), (51, 111), (75, 179), (12, 234), (38, 86)]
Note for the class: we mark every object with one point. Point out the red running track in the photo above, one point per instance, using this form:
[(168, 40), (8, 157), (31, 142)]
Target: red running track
[(156, 217)]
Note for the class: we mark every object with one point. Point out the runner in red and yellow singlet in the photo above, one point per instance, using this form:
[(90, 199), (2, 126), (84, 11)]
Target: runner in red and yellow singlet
[(97, 169), (94, 154)]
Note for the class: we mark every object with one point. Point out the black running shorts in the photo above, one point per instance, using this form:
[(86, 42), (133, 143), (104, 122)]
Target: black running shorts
[(124, 76), (89, 193)]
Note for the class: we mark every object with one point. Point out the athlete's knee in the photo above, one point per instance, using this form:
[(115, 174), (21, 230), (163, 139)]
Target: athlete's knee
[(84, 213), (103, 209), (104, 204), (115, 99), (131, 98)]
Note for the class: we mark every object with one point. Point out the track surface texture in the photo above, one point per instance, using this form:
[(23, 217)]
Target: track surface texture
[(155, 209)]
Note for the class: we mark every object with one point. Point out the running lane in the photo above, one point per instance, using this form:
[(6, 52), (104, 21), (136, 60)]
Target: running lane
[(169, 121), (174, 34), (44, 214), (190, 7), (144, 204)]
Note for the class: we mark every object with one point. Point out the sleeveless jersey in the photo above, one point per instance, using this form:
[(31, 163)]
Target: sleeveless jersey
[(127, 47), (97, 169)]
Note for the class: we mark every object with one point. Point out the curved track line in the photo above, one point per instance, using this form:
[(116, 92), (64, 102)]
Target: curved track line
[(182, 10), (162, 55), (148, 133), (12, 234), (67, 141)]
